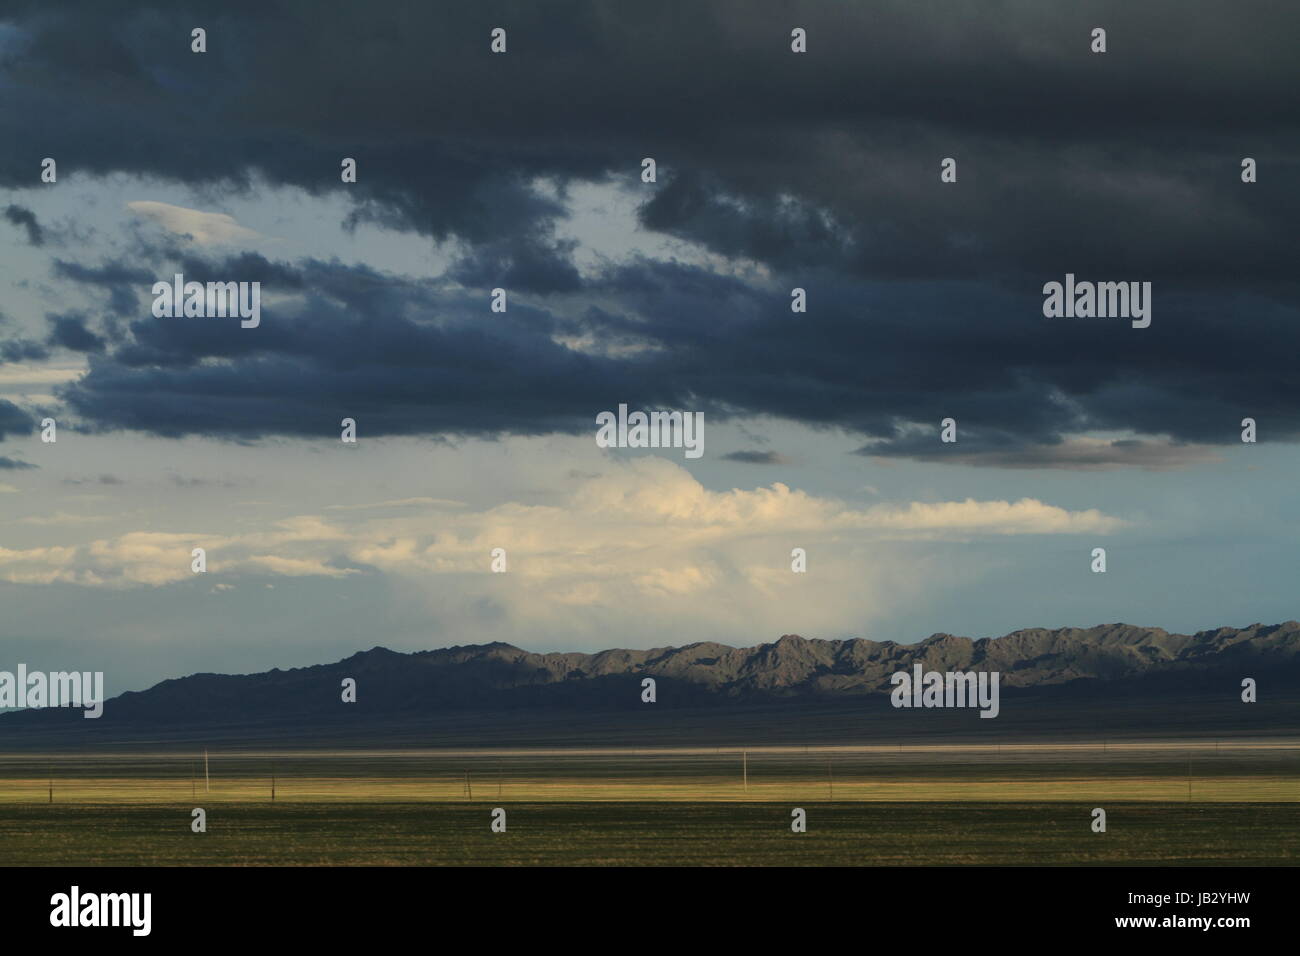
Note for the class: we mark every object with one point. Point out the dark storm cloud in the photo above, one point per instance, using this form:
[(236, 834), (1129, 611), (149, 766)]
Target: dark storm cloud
[(13, 420), (13, 464), (418, 357), (924, 298), (22, 350), (527, 265), (70, 332), (26, 219), (111, 275), (757, 457), (1054, 144), (120, 284), (402, 356)]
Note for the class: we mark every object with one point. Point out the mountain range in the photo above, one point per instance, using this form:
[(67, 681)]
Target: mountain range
[(477, 693)]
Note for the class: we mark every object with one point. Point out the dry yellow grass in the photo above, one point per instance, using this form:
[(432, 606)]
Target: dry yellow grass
[(1204, 771)]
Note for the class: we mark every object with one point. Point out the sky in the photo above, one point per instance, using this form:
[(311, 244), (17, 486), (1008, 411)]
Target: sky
[(523, 171)]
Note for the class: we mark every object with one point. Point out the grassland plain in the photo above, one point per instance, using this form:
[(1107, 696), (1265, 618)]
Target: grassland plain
[(1204, 771), (652, 833), (1189, 802)]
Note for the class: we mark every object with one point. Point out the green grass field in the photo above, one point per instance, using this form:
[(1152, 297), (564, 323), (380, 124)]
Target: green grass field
[(1182, 804), (676, 833)]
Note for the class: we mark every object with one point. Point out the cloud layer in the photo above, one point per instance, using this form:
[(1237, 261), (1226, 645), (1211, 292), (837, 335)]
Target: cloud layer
[(817, 170)]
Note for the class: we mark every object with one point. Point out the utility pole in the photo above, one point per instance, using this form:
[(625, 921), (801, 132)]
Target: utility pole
[(273, 781), (206, 781), (830, 776), (744, 758)]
